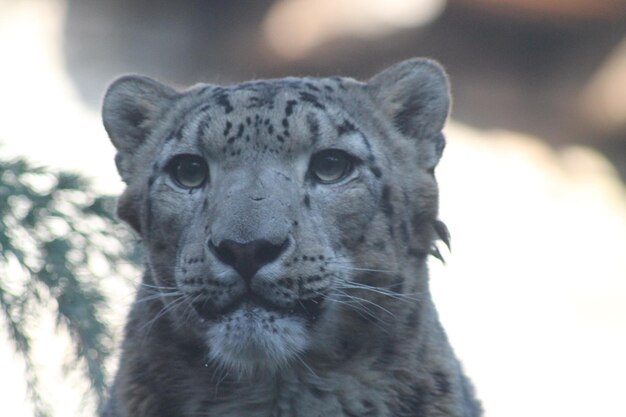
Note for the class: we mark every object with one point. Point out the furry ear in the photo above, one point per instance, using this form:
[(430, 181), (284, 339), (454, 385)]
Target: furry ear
[(132, 106), (415, 95)]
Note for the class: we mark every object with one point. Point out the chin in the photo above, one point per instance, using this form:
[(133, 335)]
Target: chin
[(253, 339)]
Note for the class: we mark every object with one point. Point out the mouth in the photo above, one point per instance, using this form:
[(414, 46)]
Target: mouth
[(308, 309)]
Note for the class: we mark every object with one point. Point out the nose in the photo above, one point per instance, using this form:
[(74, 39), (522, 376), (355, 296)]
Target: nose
[(247, 258)]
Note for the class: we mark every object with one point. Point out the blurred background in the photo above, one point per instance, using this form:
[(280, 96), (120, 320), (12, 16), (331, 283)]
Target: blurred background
[(533, 294)]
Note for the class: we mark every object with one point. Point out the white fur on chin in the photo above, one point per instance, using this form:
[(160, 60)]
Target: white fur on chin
[(252, 339)]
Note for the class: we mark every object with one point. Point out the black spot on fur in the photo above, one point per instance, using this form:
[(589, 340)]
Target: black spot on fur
[(311, 86), (311, 99), (307, 201), (227, 128), (345, 127), (204, 108), (339, 82), (224, 101), (240, 130), (280, 138), (290, 106)]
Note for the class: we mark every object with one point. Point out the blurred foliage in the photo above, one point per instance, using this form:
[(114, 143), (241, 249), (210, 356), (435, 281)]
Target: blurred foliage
[(58, 239)]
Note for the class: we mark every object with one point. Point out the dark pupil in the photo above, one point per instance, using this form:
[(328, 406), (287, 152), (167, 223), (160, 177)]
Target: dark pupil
[(190, 173), (330, 167)]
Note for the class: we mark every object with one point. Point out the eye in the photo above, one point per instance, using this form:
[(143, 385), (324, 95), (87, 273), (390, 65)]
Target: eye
[(188, 171), (331, 165)]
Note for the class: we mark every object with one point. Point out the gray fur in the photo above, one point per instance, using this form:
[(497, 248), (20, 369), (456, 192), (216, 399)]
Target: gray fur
[(340, 321)]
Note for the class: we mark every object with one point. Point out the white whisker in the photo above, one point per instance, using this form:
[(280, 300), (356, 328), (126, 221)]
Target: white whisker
[(364, 300), (381, 291), (351, 268)]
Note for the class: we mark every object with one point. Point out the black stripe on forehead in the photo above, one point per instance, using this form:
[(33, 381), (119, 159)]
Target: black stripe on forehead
[(202, 130), (345, 127), (371, 159), (198, 115), (222, 98), (314, 127), (339, 81), (201, 118), (311, 86), (289, 107), (311, 99), (179, 124)]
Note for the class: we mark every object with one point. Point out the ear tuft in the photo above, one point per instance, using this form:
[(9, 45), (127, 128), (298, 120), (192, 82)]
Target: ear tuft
[(132, 105)]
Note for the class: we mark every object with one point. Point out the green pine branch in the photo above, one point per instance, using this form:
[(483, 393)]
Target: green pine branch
[(52, 226)]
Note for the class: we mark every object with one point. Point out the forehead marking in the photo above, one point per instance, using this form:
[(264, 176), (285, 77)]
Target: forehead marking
[(289, 107), (345, 127), (223, 100), (312, 86), (314, 127), (240, 130), (312, 99), (229, 125)]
